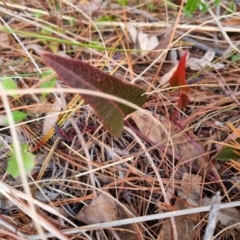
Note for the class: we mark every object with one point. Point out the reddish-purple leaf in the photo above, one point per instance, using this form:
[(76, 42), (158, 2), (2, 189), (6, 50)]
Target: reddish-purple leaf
[(183, 100), (78, 74), (178, 77)]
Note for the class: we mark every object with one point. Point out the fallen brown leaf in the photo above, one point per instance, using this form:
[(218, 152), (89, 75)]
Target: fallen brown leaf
[(185, 225), (104, 209), (101, 209), (153, 130)]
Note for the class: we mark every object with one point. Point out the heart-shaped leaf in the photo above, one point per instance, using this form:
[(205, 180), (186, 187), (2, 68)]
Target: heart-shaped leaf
[(178, 77), (78, 74)]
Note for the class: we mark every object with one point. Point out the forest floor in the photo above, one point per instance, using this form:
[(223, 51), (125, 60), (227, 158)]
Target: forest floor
[(172, 173)]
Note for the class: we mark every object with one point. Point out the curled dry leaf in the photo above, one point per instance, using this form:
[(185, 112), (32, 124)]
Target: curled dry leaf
[(151, 128), (101, 209), (91, 6), (104, 209), (142, 41), (200, 63), (52, 116), (191, 189)]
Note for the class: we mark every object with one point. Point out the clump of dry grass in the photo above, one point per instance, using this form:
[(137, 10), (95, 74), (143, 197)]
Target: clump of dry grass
[(155, 183)]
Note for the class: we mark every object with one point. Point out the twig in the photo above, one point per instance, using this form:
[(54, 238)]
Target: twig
[(143, 219), (212, 220)]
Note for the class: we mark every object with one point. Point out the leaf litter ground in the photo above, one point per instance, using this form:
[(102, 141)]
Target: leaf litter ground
[(84, 175)]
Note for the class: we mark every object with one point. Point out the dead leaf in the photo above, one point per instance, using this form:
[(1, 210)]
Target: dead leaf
[(104, 209), (142, 41), (91, 6), (163, 39), (226, 217), (200, 63), (182, 147), (191, 189), (52, 116), (101, 209), (189, 196), (134, 231), (185, 224)]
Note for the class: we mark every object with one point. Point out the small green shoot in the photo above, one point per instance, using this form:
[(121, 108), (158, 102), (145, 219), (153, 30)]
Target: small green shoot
[(47, 32), (190, 7), (17, 116), (151, 6), (72, 21), (231, 7), (9, 84), (193, 5), (28, 161), (123, 2), (235, 57), (106, 19), (38, 15)]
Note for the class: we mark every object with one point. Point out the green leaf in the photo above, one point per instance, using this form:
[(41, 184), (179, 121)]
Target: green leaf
[(231, 7), (235, 57), (123, 2), (47, 84), (203, 7), (72, 21), (28, 161), (151, 6), (191, 7), (228, 153), (216, 3), (9, 84), (18, 116), (38, 15), (106, 19), (45, 31), (78, 74)]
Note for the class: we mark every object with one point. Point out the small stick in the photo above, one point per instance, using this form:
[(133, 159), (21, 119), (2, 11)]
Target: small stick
[(212, 220)]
